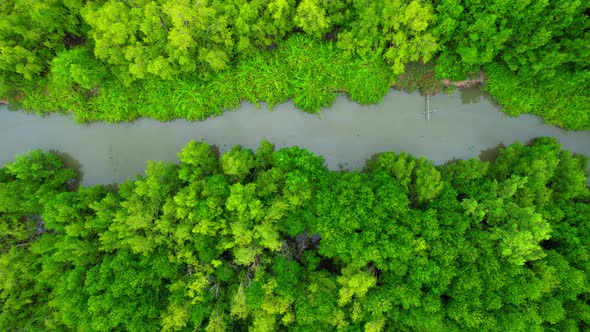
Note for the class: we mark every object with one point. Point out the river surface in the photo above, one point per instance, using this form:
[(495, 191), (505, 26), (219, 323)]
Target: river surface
[(465, 125)]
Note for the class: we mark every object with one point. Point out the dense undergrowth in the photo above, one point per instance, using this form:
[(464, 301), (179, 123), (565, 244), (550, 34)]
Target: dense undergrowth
[(119, 60), (303, 69), (274, 241)]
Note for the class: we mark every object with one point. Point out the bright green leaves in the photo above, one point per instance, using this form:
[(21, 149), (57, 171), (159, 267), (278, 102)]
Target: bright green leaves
[(269, 298), (244, 202), (538, 163), (186, 18), (39, 167), (70, 215), (519, 230), (114, 27), (260, 23), (297, 190), (397, 30), (31, 34), (354, 284), (30, 181), (569, 179), (165, 38), (161, 38), (531, 51), (124, 278), (249, 225), (297, 70), (197, 160), (295, 158), (560, 100), (281, 12), (250, 214), (318, 304), (400, 166), (275, 241), (77, 66), (264, 155), (141, 208), (197, 28), (237, 163), (311, 17), (465, 175), (175, 318), (409, 40), (248, 211), (239, 308), (418, 176), (358, 210), (133, 38), (428, 181), (520, 241), (482, 36), (160, 181), (200, 206), (26, 185), (14, 230), (23, 298)]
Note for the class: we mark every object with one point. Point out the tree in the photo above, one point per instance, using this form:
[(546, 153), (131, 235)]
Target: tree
[(417, 176), (402, 245), (259, 24), (237, 163), (130, 38), (396, 30), (264, 155), (197, 160), (31, 35), (533, 53), (77, 67), (311, 17), (140, 209), (26, 185)]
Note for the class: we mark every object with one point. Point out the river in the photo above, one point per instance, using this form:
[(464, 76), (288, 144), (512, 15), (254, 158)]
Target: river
[(465, 125)]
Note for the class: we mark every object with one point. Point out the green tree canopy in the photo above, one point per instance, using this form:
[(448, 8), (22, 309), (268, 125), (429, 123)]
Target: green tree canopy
[(273, 240)]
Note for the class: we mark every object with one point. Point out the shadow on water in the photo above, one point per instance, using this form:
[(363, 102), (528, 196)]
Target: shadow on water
[(371, 161), (486, 155), (471, 96), (70, 162), (476, 95), (112, 187), (214, 148), (491, 154)]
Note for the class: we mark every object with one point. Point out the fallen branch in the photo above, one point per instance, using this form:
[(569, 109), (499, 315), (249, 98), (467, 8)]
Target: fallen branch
[(465, 83)]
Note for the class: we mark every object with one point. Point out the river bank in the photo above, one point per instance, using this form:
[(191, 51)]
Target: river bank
[(346, 135)]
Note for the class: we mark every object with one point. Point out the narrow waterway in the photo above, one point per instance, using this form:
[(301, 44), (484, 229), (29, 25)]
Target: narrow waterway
[(464, 125)]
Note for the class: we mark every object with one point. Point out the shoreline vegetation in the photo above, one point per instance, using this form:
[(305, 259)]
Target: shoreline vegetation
[(273, 241), (468, 83), (117, 61)]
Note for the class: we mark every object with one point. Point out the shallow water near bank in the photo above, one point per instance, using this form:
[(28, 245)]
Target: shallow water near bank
[(464, 124)]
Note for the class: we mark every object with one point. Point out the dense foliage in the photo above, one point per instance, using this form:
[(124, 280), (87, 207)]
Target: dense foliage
[(118, 60), (273, 240)]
